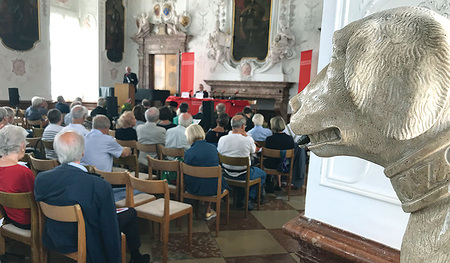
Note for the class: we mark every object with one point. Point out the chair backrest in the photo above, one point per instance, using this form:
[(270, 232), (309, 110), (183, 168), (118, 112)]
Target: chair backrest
[(118, 178), (38, 165), (48, 144), (34, 123), (265, 152), (146, 147), (171, 152), (162, 165), (131, 144), (71, 213), (261, 143), (202, 172), (236, 161), (19, 121), (38, 132)]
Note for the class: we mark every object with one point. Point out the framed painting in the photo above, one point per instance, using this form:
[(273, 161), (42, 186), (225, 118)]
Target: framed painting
[(19, 24), (251, 29), (114, 32)]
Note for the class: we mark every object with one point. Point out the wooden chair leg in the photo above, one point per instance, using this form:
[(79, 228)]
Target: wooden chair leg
[(227, 203), (123, 248), (259, 195), (2, 245), (165, 227), (289, 188), (35, 254), (190, 230), (217, 217), (247, 191)]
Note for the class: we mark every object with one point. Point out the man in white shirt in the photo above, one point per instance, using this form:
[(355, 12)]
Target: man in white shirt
[(238, 144), (79, 114), (176, 137), (54, 116), (149, 133)]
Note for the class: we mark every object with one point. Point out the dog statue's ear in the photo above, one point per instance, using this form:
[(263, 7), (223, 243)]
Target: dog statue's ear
[(398, 76)]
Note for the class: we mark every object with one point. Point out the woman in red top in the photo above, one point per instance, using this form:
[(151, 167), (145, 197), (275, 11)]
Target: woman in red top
[(15, 178)]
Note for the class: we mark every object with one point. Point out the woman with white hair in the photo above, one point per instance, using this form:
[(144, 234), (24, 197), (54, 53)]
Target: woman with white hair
[(202, 154), (126, 131), (15, 178)]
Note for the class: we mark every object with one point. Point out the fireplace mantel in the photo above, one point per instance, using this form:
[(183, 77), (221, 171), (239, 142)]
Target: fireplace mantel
[(279, 91)]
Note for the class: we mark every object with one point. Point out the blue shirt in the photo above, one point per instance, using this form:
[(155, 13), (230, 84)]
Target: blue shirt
[(32, 114), (100, 149), (62, 107), (259, 133)]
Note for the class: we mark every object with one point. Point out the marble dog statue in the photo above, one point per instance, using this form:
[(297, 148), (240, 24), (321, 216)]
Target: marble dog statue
[(385, 97)]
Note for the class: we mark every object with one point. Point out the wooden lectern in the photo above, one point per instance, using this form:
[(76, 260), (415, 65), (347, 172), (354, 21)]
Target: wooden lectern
[(123, 92)]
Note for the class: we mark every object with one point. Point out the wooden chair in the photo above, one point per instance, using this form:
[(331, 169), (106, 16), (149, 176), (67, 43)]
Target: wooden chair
[(19, 121), (38, 165), (35, 123), (147, 147), (207, 172), (164, 165), (34, 145), (112, 133), (265, 152), (242, 161), (164, 152), (8, 230), (130, 162), (48, 144), (261, 143), (120, 178), (162, 210), (38, 132)]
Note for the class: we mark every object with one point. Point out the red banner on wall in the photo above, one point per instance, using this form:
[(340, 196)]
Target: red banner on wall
[(305, 70), (187, 72)]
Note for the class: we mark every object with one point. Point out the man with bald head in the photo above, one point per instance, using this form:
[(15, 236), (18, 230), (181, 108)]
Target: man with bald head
[(238, 144), (70, 184), (130, 77), (100, 148)]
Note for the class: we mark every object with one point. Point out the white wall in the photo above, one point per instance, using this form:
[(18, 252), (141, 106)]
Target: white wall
[(347, 192)]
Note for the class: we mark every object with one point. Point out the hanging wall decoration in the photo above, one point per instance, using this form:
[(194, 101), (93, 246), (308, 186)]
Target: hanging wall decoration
[(19, 24), (114, 33)]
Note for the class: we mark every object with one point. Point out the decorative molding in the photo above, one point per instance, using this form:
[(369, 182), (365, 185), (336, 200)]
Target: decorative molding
[(443, 9), (281, 42), (18, 67), (44, 7), (353, 185)]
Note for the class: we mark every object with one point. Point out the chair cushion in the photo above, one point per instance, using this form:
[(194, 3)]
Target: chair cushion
[(156, 208), (119, 169), (138, 199), (16, 231), (145, 176)]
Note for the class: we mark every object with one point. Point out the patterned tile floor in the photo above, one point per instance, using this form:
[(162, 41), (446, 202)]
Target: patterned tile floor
[(256, 239)]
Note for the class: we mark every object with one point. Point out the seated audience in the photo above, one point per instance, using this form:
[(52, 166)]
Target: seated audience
[(220, 108), (68, 117), (14, 177), (10, 113), (54, 116), (146, 103), (202, 154), (78, 114), (184, 107), (149, 133), (139, 113), (248, 115), (173, 105), (199, 114), (175, 137), (213, 135), (36, 110), (3, 117), (100, 109), (126, 131), (259, 133), (238, 144), (278, 141), (61, 105), (100, 147), (165, 118), (69, 184)]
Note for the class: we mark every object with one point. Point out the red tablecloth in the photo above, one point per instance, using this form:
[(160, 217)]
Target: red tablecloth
[(232, 106)]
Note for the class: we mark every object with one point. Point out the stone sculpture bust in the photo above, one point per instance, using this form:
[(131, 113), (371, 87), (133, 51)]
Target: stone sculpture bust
[(385, 97)]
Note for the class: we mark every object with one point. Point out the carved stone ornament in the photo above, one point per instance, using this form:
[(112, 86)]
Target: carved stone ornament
[(385, 97), (18, 67), (113, 73), (282, 41)]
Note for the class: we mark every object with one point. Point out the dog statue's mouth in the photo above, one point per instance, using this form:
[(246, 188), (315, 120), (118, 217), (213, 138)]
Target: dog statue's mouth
[(325, 136)]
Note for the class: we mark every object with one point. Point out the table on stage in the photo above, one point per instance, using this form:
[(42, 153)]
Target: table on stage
[(232, 106)]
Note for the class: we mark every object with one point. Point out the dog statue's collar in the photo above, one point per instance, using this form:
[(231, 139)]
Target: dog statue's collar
[(423, 177)]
